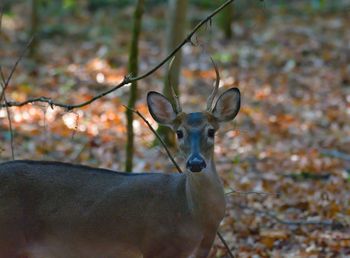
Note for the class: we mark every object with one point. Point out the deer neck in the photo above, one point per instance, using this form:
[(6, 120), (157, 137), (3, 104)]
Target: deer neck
[(205, 195)]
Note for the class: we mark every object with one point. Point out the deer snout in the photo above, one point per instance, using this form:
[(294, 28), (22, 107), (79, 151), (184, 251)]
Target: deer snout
[(196, 163)]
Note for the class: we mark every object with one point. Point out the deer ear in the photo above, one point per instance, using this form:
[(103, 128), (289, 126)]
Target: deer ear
[(227, 105), (160, 108)]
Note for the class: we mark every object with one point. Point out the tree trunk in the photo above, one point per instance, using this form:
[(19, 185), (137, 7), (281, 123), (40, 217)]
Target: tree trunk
[(225, 20), (34, 23), (133, 70), (175, 34)]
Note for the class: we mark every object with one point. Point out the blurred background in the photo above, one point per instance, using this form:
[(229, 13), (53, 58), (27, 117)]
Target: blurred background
[(285, 160)]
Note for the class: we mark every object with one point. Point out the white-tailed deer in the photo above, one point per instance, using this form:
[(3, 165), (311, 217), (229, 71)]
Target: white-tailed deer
[(59, 210)]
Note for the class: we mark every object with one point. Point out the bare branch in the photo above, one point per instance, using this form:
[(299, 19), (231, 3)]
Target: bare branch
[(127, 79)]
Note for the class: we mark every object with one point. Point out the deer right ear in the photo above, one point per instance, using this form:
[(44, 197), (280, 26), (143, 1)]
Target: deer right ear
[(160, 108), (227, 105)]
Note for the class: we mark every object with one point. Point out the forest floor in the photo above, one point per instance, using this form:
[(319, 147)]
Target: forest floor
[(285, 160)]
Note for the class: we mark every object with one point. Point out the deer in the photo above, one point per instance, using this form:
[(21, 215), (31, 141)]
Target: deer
[(60, 210)]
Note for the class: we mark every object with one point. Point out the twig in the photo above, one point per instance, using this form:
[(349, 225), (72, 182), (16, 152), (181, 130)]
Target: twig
[(327, 223), (2, 77), (250, 192), (46, 133), (6, 83), (127, 79), (225, 244), (177, 167)]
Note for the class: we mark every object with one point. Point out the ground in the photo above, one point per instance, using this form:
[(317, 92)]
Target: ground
[(284, 161)]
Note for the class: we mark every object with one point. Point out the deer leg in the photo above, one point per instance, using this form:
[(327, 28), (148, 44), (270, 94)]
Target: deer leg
[(205, 246)]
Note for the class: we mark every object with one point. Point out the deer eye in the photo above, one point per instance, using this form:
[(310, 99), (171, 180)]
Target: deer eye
[(211, 133), (179, 134)]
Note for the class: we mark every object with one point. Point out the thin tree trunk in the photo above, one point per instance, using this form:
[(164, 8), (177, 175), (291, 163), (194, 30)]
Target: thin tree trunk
[(225, 20), (175, 34), (133, 70), (34, 23)]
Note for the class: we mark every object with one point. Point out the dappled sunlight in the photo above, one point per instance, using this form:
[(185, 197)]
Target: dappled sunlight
[(103, 72), (71, 120)]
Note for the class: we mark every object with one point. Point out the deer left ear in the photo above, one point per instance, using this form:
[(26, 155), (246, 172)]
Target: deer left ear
[(161, 108), (227, 105)]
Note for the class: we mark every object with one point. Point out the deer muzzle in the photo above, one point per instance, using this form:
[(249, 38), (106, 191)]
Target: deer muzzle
[(196, 163)]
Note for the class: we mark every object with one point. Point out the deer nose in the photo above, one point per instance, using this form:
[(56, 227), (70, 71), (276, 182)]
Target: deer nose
[(196, 163)]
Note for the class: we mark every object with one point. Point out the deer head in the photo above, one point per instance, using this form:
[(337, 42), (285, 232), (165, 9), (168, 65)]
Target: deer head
[(196, 131)]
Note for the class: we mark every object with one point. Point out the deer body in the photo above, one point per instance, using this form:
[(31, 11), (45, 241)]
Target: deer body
[(62, 210), (59, 210)]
